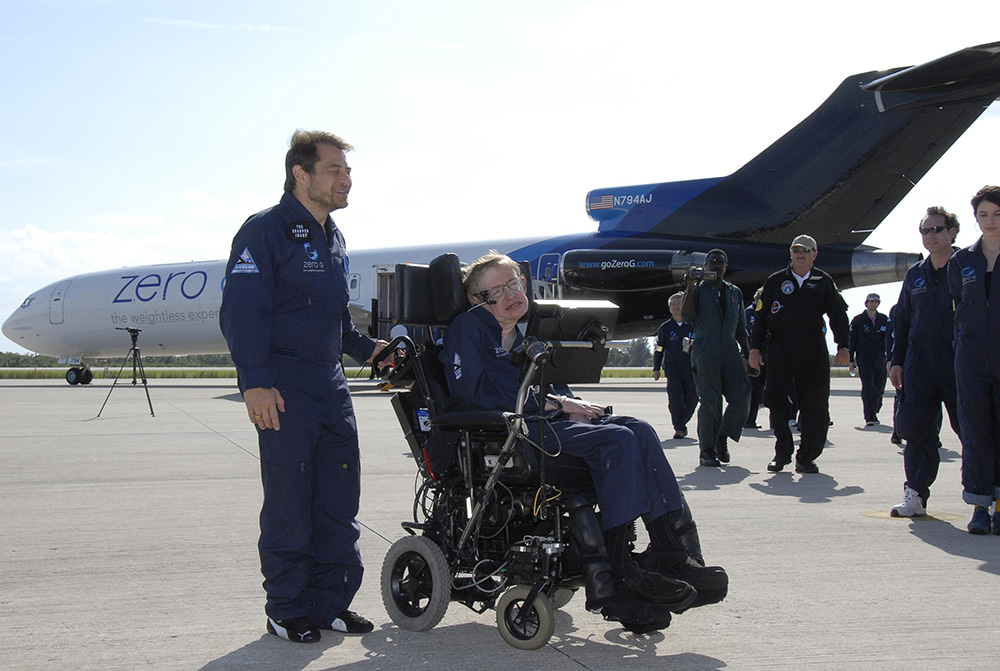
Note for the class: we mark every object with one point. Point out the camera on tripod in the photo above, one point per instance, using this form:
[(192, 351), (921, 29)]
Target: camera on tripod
[(698, 273)]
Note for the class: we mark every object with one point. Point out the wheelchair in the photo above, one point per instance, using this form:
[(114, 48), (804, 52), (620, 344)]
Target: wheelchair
[(497, 523)]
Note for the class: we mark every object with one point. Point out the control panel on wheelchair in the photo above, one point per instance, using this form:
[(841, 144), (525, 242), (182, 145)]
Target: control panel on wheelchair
[(490, 525)]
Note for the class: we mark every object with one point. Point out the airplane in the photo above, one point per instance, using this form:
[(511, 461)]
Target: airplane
[(835, 176)]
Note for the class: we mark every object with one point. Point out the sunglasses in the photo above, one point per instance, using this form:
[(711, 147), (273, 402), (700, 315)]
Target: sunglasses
[(932, 229)]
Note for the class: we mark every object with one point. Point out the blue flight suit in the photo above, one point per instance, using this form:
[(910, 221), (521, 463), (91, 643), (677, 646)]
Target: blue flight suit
[(285, 317), (977, 372), (719, 367), (867, 350), (682, 397), (923, 324), (631, 474)]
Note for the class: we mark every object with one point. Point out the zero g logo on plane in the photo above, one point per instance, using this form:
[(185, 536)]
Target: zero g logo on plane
[(149, 287)]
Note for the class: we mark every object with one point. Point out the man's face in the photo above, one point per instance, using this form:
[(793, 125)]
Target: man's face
[(675, 309), (935, 240), (802, 259), (330, 181), (511, 304), (872, 305), (717, 264)]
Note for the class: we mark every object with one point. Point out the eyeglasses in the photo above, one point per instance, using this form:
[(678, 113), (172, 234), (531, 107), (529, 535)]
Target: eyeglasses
[(801, 250), (514, 284), (932, 229)]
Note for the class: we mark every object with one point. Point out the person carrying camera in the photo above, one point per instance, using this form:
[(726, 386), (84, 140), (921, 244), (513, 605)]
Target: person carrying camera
[(714, 308)]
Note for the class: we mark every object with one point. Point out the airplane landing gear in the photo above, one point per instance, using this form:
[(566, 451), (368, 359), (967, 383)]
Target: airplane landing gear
[(78, 375)]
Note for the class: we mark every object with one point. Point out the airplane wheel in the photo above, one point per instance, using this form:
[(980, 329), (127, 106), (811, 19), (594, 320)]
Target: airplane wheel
[(86, 376), (531, 631), (561, 596), (416, 583), (73, 376)]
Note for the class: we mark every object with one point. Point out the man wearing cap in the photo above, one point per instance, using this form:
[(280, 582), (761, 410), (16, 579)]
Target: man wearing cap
[(867, 350), (714, 308), (791, 310)]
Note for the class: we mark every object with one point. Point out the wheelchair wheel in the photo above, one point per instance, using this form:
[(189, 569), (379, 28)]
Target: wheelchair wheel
[(416, 583), (561, 596), (534, 629)]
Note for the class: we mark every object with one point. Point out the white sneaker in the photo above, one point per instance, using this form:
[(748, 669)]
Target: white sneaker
[(910, 506)]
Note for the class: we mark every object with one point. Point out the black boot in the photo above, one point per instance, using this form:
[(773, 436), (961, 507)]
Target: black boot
[(598, 573), (675, 551), (636, 584)]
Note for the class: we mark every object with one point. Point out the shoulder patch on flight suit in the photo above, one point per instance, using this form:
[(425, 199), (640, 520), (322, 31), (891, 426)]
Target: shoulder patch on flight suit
[(298, 231), (245, 264)]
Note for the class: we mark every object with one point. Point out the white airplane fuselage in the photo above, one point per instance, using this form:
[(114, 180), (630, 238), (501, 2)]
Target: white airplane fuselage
[(175, 305)]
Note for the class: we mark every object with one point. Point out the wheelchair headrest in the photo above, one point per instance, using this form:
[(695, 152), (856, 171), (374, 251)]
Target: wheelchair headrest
[(430, 295)]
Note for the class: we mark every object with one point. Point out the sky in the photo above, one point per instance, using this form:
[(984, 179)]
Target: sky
[(141, 132)]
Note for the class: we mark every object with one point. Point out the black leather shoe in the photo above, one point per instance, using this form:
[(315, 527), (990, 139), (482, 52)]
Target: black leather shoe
[(640, 585), (710, 461), (776, 465), (805, 466), (722, 449)]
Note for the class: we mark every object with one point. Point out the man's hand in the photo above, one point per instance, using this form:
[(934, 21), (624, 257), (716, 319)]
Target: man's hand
[(852, 368), (582, 411), (656, 375), (263, 406), (379, 346), (896, 376), (843, 356), (755, 360)]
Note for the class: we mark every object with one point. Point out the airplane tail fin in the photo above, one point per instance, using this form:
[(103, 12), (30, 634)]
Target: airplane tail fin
[(838, 173)]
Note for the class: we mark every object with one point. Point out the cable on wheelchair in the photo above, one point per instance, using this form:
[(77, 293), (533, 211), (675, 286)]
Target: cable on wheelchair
[(537, 507)]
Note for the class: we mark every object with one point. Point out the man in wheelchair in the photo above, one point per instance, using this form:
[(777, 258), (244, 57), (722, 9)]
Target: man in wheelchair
[(630, 473)]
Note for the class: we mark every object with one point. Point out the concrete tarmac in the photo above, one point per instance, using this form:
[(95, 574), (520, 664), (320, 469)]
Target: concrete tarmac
[(129, 541)]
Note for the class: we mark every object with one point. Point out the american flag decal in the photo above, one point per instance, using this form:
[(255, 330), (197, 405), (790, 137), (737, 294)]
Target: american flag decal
[(605, 202)]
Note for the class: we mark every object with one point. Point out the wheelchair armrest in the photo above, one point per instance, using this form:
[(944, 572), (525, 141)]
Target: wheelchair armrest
[(472, 420)]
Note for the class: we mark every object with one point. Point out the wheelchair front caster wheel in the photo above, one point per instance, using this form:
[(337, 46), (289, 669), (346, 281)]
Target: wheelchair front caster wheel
[(524, 630), (416, 583)]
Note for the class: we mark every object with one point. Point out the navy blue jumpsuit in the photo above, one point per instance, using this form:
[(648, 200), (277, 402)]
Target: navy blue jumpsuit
[(923, 327), (285, 317), (977, 372), (631, 474), (756, 382), (867, 349), (682, 398), (791, 316), (719, 368)]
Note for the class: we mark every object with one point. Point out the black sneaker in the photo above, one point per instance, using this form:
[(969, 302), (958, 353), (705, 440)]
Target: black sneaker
[(640, 585), (295, 629), (349, 622)]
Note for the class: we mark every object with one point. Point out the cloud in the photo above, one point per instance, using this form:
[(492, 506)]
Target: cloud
[(198, 25)]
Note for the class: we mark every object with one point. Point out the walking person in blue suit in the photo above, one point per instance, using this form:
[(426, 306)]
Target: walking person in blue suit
[(867, 351), (971, 276), (673, 356), (923, 361)]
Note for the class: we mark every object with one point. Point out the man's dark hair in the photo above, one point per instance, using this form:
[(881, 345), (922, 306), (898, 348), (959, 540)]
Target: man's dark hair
[(950, 220), (302, 151), (991, 194)]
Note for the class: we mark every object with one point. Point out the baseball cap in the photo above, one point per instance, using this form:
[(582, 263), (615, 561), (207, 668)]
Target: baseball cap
[(873, 297), (805, 241)]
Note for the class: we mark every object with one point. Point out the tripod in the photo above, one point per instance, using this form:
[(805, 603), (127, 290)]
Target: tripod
[(137, 368)]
